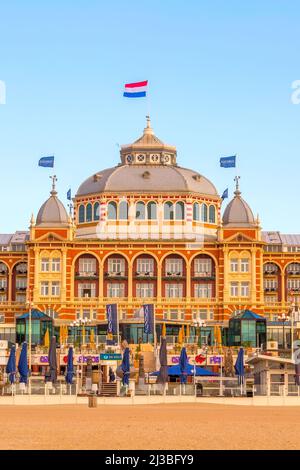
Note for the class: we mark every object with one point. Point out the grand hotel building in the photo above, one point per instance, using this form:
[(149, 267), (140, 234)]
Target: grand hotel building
[(147, 231)]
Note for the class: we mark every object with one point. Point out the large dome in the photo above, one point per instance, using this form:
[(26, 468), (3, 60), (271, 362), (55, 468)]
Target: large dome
[(53, 212), (148, 166), (147, 178)]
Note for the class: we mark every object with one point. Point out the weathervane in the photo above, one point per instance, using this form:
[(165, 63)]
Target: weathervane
[(54, 181)]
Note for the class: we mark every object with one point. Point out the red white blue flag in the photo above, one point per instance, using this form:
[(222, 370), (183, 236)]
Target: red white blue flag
[(136, 90)]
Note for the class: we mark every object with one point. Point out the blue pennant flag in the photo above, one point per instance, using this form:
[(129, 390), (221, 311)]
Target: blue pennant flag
[(69, 195), (225, 194), (228, 162), (148, 319), (47, 162), (112, 319)]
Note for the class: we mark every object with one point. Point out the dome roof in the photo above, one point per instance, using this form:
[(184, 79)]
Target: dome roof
[(147, 178), (238, 213), (148, 166), (53, 212)]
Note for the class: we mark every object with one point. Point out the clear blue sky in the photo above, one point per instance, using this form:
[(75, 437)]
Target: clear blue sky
[(220, 75)]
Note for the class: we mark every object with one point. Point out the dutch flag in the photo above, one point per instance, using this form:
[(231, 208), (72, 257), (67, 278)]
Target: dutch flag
[(136, 90)]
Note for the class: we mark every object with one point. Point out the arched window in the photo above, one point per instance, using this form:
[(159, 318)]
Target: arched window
[(204, 213), (81, 213), (196, 211), (179, 210), (140, 213), (89, 213), (152, 210), (168, 211), (97, 211), (123, 210), (212, 214), (112, 210)]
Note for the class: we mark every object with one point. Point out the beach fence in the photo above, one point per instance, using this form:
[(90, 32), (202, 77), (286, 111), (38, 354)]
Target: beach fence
[(227, 387), (39, 387)]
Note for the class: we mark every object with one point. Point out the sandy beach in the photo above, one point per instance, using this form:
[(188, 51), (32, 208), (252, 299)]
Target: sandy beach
[(180, 426)]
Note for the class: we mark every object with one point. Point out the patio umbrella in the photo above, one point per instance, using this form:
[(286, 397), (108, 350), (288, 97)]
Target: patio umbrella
[(23, 365), (83, 334), (61, 334), (164, 330), (125, 366), (297, 374), (181, 335), (70, 367), (163, 359), (47, 339), (183, 362), (11, 365), (239, 366), (218, 336), (52, 360), (92, 337)]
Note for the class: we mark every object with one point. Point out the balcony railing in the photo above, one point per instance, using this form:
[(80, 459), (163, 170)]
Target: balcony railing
[(115, 275), (204, 275), (271, 289), (86, 275), (146, 275)]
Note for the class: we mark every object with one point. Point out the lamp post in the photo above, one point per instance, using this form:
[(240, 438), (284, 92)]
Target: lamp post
[(283, 318), (29, 303), (198, 324)]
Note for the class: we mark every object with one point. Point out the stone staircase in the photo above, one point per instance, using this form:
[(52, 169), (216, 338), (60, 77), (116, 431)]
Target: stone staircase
[(108, 390)]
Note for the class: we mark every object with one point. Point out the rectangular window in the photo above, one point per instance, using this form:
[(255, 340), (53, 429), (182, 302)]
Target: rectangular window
[(271, 299), (2, 297), (45, 265), (116, 266), (244, 289), (87, 266), (202, 267), (56, 265), (270, 284), (144, 290), (21, 283), (55, 290), (3, 283), (87, 289), (203, 314), (234, 289), (174, 290), (203, 290), (244, 265), (174, 267), (116, 290), (21, 298), (44, 288), (234, 265), (145, 266), (293, 284)]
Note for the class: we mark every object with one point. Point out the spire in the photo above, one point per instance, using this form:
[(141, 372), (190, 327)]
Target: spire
[(148, 129), (237, 191), (54, 181)]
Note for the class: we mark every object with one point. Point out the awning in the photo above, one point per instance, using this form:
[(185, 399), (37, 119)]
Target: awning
[(200, 371)]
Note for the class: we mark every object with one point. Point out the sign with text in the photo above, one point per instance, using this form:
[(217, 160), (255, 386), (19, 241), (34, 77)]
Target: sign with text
[(110, 357)]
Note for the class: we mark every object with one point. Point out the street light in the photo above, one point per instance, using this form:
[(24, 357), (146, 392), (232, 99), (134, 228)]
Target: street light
[(29, 303), (283, 318), (198, 323)]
